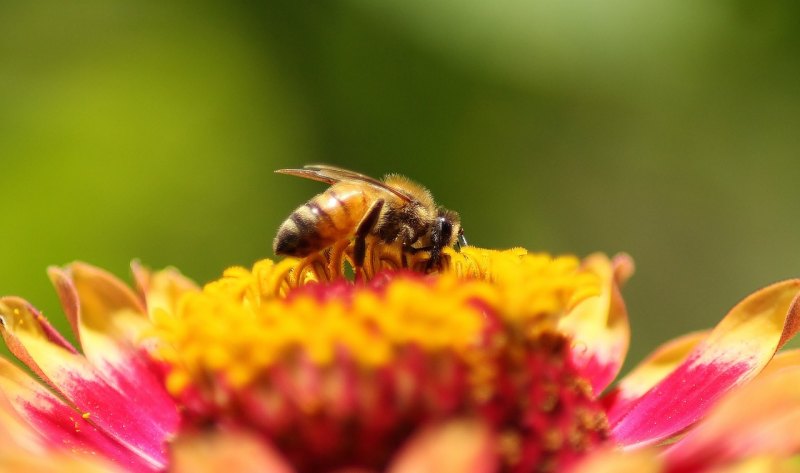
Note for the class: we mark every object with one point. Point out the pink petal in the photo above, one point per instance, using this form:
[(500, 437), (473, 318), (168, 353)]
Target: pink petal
[(110, 319), (77, 381), (734, 352), (648, 373), (40, 422), (758, 419), (599, 325)]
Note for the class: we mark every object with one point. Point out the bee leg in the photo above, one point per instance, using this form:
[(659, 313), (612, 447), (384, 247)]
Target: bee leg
[(436, 252), (364, 227), (440, 236)]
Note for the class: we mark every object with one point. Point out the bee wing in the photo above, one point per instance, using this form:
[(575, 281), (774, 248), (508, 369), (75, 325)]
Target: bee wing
[(333, 174)]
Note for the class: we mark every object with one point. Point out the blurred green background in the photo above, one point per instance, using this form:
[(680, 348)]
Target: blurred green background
[(669, 130)]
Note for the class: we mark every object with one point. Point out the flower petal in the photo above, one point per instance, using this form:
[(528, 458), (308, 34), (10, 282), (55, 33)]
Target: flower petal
[(109, 319), (459, 446), (62, 462), (98, 307), (760, 418), (615, 461), (16, 432), (161, 289), (785, 359), (655, 367), (760, 464), (599, 325), (76, 380), (735, 351), (213, 452), (48, 424)]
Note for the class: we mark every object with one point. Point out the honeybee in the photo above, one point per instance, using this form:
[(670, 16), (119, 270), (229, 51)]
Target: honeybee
[(395, 209)]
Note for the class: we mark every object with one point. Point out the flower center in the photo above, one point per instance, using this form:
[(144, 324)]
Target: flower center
[(334, 372)]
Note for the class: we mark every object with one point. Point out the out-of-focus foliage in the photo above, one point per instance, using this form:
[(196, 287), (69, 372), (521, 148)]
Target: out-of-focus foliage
[(665, 129)]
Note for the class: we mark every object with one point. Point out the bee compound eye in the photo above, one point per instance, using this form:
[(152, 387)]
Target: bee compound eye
[(446, 229)]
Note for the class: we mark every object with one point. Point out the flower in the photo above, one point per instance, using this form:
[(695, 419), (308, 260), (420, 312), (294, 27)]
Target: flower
[(311, 366), (496, 361)]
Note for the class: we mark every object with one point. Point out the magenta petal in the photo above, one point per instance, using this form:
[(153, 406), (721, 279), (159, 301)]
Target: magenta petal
[(134, 377), (102, 396), (677, 402), (654, 368), (734, 352), (64, 427), (116, 415), (759, 419), (108, 318), (58, 425)]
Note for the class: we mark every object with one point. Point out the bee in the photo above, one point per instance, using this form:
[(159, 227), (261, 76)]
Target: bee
[(395, 209)]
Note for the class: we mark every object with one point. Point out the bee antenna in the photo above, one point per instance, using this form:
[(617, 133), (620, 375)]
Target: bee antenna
[(462, 240)]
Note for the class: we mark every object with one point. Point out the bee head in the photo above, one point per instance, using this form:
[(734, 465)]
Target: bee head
[(448, 225)]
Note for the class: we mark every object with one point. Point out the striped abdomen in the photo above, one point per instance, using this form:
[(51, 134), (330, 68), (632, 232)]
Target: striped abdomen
[(323, 220)]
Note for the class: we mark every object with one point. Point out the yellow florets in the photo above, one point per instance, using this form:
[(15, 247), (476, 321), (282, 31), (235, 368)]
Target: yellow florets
[(527, 284), (249, 320)]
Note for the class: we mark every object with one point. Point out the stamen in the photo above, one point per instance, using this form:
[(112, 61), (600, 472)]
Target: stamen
[(244, 321)]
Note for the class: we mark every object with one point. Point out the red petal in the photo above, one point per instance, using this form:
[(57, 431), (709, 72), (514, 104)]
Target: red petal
[(599, 325), (734, 352)]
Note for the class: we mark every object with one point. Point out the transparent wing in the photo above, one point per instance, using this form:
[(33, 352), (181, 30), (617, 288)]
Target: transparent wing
[(333, 174)]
